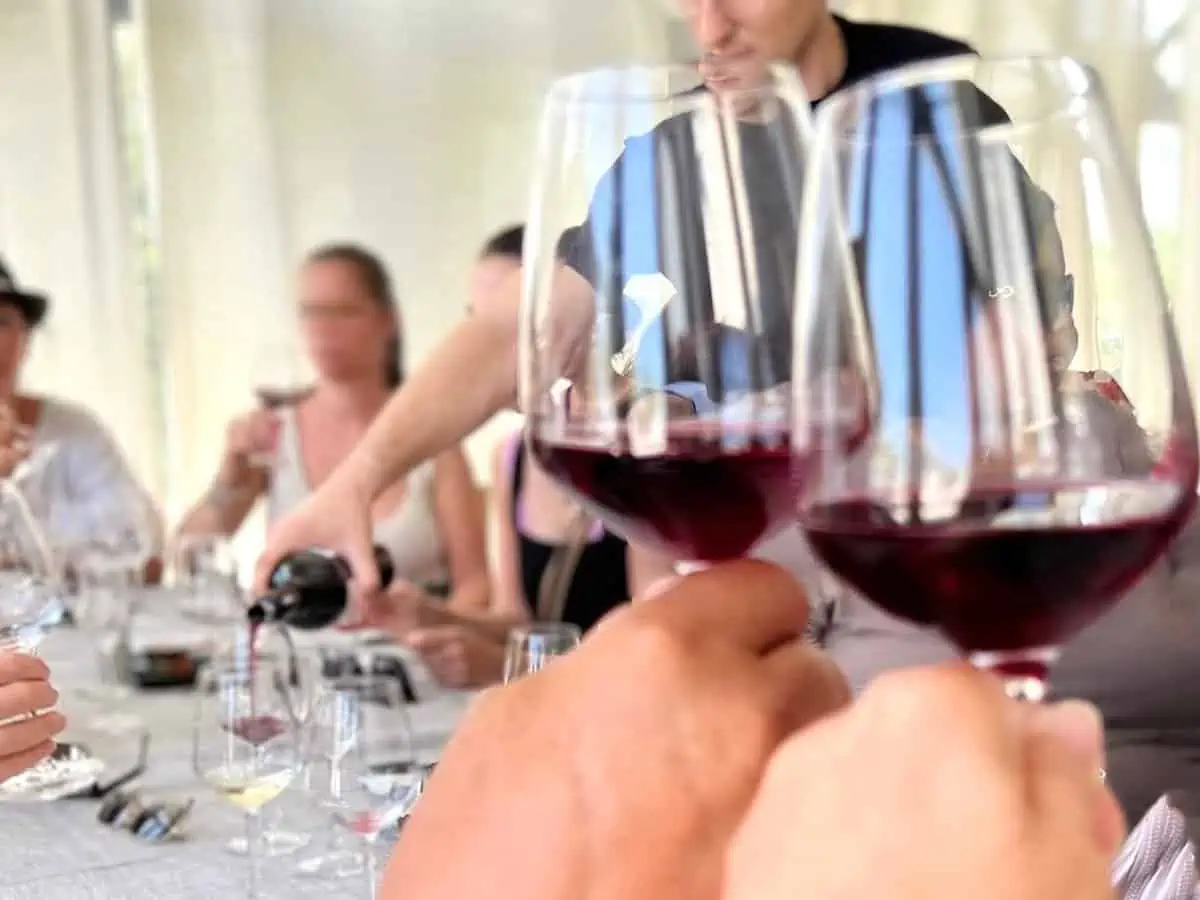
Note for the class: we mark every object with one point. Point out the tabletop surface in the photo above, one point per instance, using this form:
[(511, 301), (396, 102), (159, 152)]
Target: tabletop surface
[(58, 851)]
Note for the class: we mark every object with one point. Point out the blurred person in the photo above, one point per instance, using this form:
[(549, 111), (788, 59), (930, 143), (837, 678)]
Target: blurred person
[(553, 561), (431, 521), (69, 468), (477, 362), (689, 726), (28, 722)]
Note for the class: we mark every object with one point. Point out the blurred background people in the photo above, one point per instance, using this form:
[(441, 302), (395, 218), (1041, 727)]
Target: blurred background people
[(431, 522), (70, 469), (552, 560)]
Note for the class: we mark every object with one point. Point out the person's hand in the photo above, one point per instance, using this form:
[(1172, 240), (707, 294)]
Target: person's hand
[(14, 441), (27, 723), (398, 609), (935, 785), (249, 439), (620, 771), (459, 656)]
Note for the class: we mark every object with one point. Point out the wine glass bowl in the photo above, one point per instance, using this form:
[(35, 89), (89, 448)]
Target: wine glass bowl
[(660, 275), (965, 209), (529, 648)]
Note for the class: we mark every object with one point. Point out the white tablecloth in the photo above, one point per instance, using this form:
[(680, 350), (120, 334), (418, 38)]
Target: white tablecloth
[(59, 851)]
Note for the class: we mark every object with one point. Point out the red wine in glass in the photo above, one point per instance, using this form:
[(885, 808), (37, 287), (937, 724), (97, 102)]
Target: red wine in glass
[(275, 398), (704, 496), (257, 729), (1006, 579)]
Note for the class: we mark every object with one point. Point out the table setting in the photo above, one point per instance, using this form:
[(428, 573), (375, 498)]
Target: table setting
[(142, 814)]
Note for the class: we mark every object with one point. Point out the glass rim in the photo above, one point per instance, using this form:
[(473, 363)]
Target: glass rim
[(544, 629), (612, 85), (1080, 79)]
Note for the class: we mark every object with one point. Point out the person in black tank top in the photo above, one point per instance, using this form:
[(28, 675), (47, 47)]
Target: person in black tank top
[(599, 582)]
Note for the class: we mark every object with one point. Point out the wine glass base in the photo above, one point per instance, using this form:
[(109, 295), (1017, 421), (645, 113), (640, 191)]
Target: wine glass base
[(272, 844), (337, 864)]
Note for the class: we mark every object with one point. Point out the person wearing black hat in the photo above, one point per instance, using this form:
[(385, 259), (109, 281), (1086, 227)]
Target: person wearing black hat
[(75, 477)]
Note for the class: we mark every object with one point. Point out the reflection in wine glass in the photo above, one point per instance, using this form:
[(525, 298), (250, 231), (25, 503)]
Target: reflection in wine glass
[(959, 207)]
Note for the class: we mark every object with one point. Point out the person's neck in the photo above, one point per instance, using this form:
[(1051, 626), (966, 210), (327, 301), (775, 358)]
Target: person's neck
[(360, 400), (822, 60)]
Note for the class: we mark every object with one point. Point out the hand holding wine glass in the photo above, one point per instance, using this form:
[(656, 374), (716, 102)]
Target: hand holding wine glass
[(1014, 792), (673, 706), (279, 382), (959, 209), (28, 721)]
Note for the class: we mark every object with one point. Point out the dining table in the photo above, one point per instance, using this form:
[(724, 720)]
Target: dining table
[(60, 850)]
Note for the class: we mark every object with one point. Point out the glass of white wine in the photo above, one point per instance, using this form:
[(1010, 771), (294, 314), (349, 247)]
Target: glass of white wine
[(246, 739)]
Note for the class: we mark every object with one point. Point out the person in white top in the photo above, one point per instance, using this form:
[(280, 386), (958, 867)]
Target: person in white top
[(431, 522), (69, 468)]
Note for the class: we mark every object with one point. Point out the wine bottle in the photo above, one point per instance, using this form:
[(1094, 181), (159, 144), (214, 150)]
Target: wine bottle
[(308, 589)]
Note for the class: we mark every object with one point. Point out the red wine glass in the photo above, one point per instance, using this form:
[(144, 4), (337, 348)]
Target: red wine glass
[(968, 210), (656, 339)]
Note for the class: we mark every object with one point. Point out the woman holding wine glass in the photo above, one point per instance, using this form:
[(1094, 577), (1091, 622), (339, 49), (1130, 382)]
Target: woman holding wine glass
[(430, 523), (1005, 509)]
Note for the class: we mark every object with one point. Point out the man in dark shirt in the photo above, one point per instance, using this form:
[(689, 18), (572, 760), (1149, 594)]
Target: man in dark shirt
[(475, 367)]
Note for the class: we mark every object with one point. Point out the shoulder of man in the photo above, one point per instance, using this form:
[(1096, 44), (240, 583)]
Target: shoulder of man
[(897, 45)]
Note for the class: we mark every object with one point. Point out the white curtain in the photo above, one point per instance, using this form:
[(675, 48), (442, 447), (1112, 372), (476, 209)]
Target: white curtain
[(64, 224), (1139, 47)]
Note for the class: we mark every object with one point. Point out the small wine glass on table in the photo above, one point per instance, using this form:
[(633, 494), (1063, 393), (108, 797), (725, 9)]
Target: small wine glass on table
[(529, 648), (246, 739), (273, 647), (964, 206), (374, 780), (657, 340)]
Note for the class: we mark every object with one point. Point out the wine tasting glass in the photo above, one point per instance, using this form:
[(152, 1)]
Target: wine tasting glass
[(204, 569), (31, 603), (107, 592), (969, 208), (246, 739), (531, 647), (374, 781), (660, 274), (273, 647), (279, 381)]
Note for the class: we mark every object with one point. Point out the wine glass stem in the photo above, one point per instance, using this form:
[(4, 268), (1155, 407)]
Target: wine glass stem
[(253, 835), (372, 864)]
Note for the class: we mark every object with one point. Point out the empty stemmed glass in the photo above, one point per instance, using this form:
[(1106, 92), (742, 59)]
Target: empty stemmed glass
[(204, 574), (656, 340), (362, 730), (246, 738), (106, 594), (531, 647), (963, 209)]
